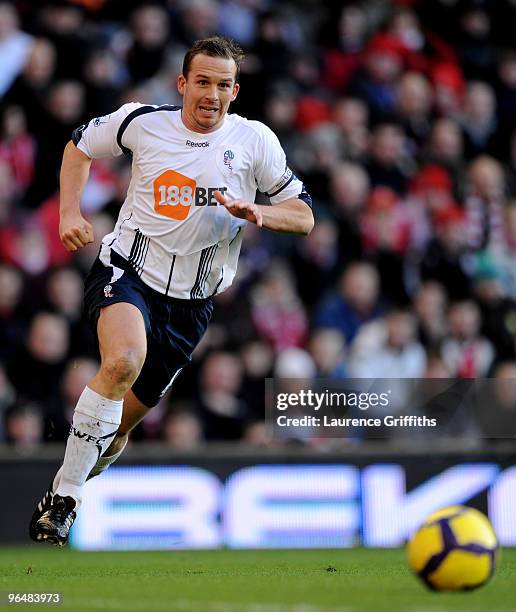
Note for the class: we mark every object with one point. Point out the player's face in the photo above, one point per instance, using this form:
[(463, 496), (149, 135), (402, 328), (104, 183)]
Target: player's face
[(207, 92)]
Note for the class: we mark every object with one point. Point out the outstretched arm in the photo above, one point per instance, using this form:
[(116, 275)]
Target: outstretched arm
[(74, 231), (291, 216)]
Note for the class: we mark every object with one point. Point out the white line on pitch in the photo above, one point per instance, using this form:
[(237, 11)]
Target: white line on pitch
[(190, 605)]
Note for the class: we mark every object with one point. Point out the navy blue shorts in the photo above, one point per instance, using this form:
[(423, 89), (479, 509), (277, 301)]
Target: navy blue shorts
[(174, 327)]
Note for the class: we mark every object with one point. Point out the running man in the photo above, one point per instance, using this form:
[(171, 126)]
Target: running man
[(195, 173)]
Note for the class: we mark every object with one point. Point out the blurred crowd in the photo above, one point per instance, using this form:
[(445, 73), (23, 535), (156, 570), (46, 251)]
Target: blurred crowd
[(399, 116)]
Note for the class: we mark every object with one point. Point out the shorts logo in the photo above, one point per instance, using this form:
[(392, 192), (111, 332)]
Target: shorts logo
[(229, 156), (175, 193), (107, 291)]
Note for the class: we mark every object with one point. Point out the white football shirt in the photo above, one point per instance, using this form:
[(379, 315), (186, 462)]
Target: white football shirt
[(170, 228)]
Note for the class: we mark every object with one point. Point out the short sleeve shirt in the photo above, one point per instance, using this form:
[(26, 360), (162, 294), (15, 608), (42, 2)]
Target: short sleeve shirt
[(170, 228)]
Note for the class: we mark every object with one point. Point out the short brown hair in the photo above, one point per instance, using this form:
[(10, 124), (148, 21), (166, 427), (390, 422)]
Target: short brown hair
[(217, 46)]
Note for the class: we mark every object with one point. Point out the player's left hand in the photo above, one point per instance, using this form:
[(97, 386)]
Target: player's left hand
[(241, 209)]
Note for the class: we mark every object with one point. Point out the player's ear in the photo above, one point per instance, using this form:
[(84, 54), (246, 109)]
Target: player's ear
[(236, 89), (181, 82)]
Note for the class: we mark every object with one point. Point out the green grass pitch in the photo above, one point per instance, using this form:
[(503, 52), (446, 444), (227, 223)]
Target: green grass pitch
[(349, 580)]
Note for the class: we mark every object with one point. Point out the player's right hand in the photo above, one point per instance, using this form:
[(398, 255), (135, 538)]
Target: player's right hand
[(75, 232)]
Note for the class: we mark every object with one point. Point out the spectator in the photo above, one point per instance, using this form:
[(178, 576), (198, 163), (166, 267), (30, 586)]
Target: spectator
[(505, 89), (343, 38), (436, 368), (64, 294), (295, 363), (384, 226), (445, 259), (238, 20), (485, 203), (24, 426), (30, 89), (24, 245), (413, 106), (496, 309), (197, 19), (355, 302), (280, 115), (387, 158), (466, 352), (182, 429), (12, 323), (102, 79), (479, 121), (317, 154), (14, 46), (223, 413), (375, 81), (7, 204), (430, 193), (18, 149), (386, 237), (266, 62), (315, 261), (448, 84), (150, 30), (445, 147), (430, 304), (328, 350), (388, 348), (423, 48), (36, 370), (351, 116), (64, 108), (64, 25), (257, 358), (349, 188), (503, 254), (474, 48), (277, 312), (257, 435)]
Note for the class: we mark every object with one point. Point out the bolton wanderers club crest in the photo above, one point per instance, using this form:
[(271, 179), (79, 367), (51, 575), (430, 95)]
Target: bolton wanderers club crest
[(229, 156), (107, 291)]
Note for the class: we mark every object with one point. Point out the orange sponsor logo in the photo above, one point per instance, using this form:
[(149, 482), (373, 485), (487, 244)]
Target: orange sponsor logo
[(174, 194)]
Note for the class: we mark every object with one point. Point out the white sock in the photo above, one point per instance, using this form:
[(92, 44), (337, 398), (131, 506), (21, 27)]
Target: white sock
[(102, 464), (95, 422)]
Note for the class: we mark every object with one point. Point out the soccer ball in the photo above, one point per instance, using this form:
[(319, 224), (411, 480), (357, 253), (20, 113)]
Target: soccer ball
[(455, 549)]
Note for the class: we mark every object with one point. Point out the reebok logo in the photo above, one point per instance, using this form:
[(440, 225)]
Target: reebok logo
[(191, 143)]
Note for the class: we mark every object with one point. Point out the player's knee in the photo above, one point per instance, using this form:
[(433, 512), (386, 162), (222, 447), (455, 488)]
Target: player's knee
[(123, 369)]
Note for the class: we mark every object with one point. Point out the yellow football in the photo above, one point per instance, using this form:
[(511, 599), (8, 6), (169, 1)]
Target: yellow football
[(455, 549)]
